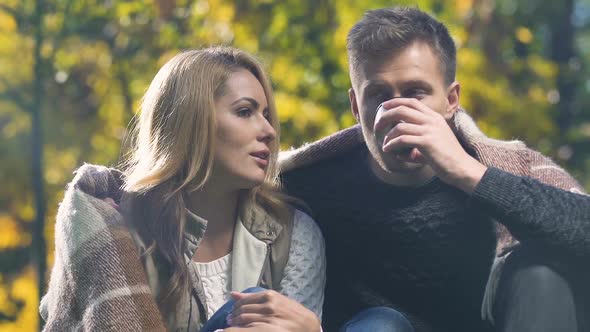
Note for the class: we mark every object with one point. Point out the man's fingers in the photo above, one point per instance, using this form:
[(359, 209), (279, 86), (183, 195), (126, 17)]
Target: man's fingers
[(398, 114), (402, 143), (403, 129)]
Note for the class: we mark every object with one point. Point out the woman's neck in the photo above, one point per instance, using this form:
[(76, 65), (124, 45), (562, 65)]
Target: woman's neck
[(220, 210)]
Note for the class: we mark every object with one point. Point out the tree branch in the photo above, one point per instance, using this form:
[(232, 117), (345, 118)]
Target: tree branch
[(10, 11), (62, 33)]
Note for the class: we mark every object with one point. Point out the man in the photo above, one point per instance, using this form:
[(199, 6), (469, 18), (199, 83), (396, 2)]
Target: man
[(424, 214)]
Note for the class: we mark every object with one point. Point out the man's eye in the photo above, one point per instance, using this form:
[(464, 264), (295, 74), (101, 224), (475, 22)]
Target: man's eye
[(379, 97), (378, 94), (415, 93), (244, 112)]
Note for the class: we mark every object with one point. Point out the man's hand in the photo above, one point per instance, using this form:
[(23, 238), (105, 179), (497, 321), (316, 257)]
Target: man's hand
[(272, 308), (429, 140)]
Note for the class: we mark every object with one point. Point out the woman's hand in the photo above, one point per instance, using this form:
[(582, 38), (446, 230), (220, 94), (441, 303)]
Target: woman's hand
[(274, 309), (255, 327)]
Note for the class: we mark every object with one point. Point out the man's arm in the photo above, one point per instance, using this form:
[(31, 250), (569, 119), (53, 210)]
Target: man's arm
[(535, 213)]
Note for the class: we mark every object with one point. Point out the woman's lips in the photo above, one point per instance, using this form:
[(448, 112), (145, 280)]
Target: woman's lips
[(261, 158)]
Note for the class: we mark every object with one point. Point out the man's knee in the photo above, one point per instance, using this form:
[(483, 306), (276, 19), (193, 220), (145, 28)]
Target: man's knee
[(378, 319), (541, 279), (535, 297)]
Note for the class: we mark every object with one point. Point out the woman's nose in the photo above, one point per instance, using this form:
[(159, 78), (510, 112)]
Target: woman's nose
[(267, 132)]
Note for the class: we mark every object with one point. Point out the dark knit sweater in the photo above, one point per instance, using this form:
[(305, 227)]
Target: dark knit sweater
[(425, 251)]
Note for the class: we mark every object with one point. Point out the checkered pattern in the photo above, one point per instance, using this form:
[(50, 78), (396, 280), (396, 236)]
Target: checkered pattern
[(98, 282)]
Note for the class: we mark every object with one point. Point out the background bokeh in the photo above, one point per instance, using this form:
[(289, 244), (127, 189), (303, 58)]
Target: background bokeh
[(72, 73)]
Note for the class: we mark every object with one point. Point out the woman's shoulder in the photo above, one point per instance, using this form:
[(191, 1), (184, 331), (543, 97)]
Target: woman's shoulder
[(85, 218), (98, 181), (305, 229)]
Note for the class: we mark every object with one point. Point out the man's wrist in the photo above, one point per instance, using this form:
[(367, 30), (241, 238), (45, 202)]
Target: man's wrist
[(469, 176)]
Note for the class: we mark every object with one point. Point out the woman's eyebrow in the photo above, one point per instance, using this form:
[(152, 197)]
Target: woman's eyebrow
[(248, 99)]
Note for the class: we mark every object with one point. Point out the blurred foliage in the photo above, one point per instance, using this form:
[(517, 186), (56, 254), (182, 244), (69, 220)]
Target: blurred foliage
[(523, 66)]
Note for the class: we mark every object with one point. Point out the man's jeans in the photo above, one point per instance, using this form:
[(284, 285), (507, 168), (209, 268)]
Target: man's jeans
[(378, 319)]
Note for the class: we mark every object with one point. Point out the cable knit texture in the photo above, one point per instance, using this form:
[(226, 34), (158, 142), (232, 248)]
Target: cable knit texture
[(305, 273), (216, 279), (304, 276)]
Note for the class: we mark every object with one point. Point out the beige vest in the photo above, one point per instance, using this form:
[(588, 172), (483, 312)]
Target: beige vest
[(260, 252)]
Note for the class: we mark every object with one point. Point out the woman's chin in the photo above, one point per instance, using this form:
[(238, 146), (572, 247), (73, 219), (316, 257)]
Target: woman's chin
[(252, 181)]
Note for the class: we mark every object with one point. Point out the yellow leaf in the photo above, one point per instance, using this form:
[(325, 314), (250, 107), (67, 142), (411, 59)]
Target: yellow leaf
[(24, 288), (463, 7), (7, 22), (524, 35), (12, 235)]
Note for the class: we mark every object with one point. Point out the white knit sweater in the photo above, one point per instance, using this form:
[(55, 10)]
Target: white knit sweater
[(216, 279), (303, 278)]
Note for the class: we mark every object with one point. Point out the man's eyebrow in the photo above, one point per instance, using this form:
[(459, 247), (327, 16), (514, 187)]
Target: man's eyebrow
[(417, 83), (248, 99), (374, 84)]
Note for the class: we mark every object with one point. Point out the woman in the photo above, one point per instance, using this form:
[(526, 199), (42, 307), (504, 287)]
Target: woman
[(200, 202)]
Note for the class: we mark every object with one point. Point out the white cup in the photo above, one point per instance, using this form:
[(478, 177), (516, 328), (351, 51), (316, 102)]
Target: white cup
[(385, 130)]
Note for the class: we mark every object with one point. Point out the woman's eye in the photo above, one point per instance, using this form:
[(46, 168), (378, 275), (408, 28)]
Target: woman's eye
[(244, 112), (266, 115)]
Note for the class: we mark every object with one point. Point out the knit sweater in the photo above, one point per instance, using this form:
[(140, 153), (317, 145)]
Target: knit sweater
[(216, 280), (500, 196), (397, 246), (299, 283)]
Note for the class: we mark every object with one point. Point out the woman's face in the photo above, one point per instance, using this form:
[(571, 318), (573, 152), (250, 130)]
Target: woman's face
[(244, 133)]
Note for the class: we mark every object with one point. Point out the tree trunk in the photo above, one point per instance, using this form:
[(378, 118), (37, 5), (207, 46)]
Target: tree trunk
[(562, 51), (38, 245)]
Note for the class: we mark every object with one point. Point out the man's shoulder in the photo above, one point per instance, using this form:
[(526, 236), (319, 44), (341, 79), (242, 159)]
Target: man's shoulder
[(329, 147), (511, 156), (322, 169)]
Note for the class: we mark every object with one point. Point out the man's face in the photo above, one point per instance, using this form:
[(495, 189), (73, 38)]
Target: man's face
[(414, 72)]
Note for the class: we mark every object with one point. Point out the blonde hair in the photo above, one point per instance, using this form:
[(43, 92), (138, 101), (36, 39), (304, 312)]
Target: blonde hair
[(171, 154)]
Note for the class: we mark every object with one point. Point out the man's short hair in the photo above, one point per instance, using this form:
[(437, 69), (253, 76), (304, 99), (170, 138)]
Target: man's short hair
[(387, 31)]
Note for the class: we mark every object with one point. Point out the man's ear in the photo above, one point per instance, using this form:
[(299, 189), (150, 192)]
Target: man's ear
[(453, 93), (353, 105)]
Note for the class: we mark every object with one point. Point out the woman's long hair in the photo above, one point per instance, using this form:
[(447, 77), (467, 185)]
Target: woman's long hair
[(170, 154)]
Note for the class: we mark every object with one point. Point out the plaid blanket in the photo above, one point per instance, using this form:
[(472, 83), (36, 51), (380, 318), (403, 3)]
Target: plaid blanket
[(97, 282)]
